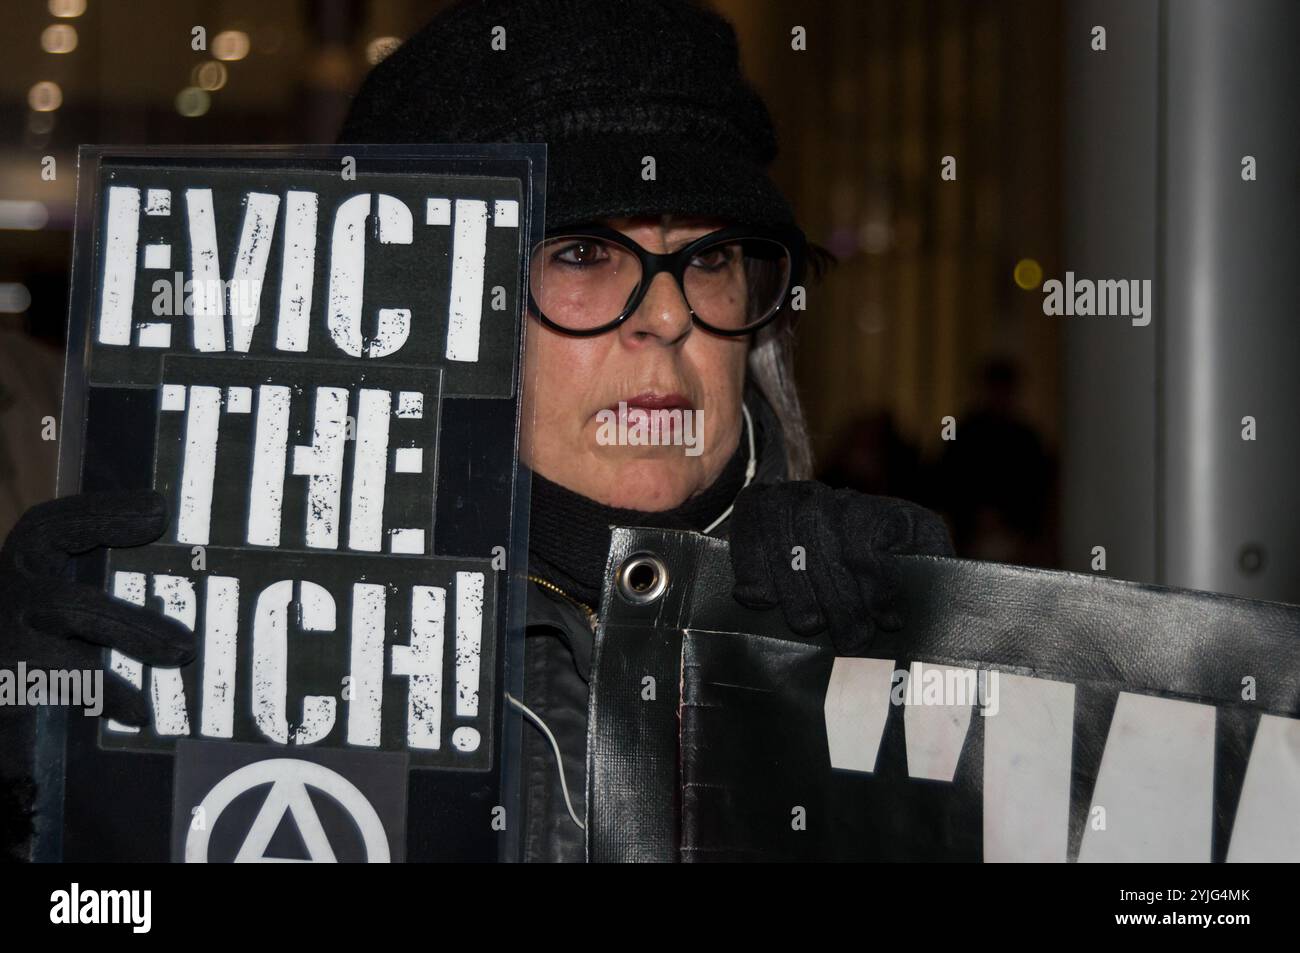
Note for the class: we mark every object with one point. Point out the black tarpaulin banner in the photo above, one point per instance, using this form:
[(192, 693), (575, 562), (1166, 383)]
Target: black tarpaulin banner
[(1020, 715)]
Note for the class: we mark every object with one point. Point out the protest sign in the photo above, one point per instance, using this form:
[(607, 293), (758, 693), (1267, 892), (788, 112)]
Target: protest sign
[(1018, 715), (314, 355)]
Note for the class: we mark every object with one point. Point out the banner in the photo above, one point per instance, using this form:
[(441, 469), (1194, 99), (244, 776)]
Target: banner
[(1020, 715), (314, 355)]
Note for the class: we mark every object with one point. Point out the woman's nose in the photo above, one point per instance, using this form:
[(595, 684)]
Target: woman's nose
[(662, 317)]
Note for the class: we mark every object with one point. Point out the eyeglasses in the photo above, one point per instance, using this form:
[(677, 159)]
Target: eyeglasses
[(590, 279)]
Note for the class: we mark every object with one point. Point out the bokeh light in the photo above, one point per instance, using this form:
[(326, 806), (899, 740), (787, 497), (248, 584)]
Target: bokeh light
[(45, 96), (59, 38), (23, 214), (210, 76), (192, 101), (67, 8), (230, 45), (1028, 274), (14, 298)]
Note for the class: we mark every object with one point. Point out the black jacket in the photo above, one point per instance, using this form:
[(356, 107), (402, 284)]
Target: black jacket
[(557, 671)]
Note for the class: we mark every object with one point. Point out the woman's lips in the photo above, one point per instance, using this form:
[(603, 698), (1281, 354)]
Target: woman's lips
[(660, 412), (651, 401)]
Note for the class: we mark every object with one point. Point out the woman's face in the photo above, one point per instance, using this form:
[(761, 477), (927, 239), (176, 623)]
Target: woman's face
[(656, 360)]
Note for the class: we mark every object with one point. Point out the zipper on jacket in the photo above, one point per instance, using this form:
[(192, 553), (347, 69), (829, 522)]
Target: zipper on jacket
[(591, 613)]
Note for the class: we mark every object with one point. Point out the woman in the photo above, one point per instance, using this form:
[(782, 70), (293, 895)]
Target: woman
[(663, 285)]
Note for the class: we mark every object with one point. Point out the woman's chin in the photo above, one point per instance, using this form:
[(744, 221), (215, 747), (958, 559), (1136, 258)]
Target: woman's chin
[(647, 482)]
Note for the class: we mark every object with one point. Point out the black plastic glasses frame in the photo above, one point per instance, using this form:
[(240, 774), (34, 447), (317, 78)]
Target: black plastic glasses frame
[(790, 238)]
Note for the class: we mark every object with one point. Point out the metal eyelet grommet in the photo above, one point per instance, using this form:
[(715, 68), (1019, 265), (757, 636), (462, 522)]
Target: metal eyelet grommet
[(642, 578)]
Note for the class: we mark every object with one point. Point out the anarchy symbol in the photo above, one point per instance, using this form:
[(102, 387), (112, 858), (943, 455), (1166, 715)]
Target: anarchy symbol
[(289, 779)]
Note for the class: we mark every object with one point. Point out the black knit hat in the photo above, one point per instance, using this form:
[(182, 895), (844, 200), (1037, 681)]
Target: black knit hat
[(604, 84)]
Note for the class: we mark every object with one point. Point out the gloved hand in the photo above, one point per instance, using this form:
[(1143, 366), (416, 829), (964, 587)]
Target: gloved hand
[(847, 582), (51, 622)]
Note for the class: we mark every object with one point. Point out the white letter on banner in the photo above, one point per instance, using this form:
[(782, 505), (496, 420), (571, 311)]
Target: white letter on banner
[(856, 706), (469, 640), (935, 729), (395, 228), (365, 708), (297, 273), (199, 468), (129, 587), (1267, 827), (322, 462), (369, 471), (1156, 782), (348, 268), (347, 271), (220, 628), (271, 661), (167, 690), (1027, 750), (469, 254), (421, 661), (170, 715), (209, 304), (270, 440), (117, 296), (250, 267)]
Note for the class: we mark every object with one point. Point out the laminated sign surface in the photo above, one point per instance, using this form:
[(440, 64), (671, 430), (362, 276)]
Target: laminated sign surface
[(1020, 715), (319, 372)]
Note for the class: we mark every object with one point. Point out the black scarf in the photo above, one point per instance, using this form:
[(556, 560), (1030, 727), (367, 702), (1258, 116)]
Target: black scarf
[(568, 534)]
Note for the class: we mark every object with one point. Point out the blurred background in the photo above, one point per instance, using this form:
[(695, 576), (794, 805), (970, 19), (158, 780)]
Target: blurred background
[(1083, 443)]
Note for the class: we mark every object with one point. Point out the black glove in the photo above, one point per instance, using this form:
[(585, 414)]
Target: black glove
[(847, 582), (51, 622)]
